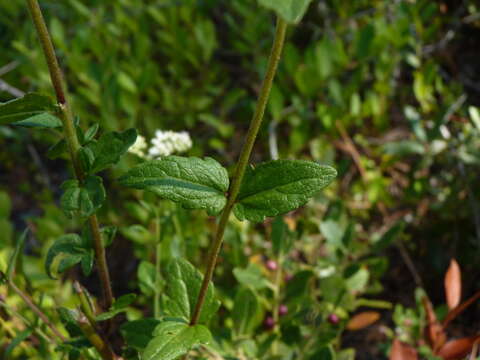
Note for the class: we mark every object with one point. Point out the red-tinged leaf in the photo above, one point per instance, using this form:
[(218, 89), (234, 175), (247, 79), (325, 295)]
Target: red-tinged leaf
[(402, 351), (434, 333), (362, 320), (460, 308), (457, 349), (453, 284)]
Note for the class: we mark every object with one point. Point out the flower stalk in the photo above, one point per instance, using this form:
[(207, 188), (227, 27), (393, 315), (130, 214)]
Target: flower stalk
[(273, 61)]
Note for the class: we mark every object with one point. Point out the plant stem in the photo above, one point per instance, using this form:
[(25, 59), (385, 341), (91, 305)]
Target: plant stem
[(158, 249), (96, 340), (29, 302), (273, 61), (71, 138)]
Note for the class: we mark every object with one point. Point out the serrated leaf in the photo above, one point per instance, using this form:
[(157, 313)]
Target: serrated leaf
[(109, 148), (183, 286), (276, 187), (193, 182), (291, 11), (44, 120), (85, 199), (25, 107), (65, 252), (138, 333), (173, 339)]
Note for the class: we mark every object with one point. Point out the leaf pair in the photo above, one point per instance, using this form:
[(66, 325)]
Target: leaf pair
[(71, 249), (270, 189), (67, 251), (174, 336)]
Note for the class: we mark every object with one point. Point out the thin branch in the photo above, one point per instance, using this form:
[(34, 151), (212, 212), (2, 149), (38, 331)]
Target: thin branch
[(29, 302), (273, 61), (71, 138)]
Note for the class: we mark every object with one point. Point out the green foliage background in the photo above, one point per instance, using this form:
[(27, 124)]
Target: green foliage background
[(384, 90)]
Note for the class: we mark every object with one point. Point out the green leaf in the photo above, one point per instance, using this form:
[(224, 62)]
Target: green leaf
[(192, 182), (173, 339), (251, 277), (44, 120), (25, 107), (58, 149), (146, 278), (138, 333), (109, 148), (16, 255), (19, 337), (85, 199), (69, 319), (120, 305), (65, 252), (297, 287), (245, 311), (279, 186), (281, 239), (90, 133), (183, 286), (291, 11)]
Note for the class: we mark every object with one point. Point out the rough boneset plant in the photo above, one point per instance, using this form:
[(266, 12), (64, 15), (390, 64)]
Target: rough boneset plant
[(253, 193)]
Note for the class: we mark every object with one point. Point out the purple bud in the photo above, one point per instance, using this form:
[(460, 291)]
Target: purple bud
[(283, 310), (333, 319), (269, 323), (271, 265), (288, 277)]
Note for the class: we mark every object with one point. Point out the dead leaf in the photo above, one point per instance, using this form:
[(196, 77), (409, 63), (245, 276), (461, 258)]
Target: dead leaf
[(453, 284), (402, 351), (434, 333), (362, 320), (460, 308), (457, 349)]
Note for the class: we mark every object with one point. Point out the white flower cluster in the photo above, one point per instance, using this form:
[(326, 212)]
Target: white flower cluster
[(163, 144), (168, 142)]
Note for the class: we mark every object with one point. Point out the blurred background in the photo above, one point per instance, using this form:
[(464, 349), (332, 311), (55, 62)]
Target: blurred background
[(388, 92)]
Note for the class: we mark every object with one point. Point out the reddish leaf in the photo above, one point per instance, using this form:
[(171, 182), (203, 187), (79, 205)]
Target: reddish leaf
[(362, 320), (434, 333), (460, 308), (401, 351), (457, 349), (453, 284)]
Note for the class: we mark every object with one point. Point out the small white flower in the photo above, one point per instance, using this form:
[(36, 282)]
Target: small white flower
[(139, 147), (168, 142)]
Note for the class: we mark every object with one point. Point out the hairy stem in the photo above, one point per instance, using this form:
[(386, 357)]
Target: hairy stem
[(273, 61), (67, 118)]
